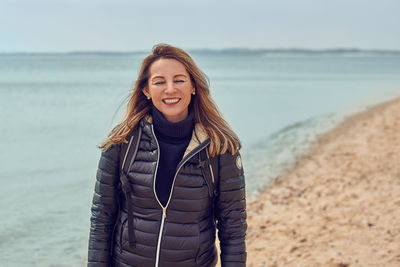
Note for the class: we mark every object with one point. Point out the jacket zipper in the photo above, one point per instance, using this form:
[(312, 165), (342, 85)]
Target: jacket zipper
[(164, 215), (164, 209)]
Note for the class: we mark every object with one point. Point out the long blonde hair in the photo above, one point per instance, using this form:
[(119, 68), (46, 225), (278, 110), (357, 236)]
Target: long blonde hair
[(205, 110)]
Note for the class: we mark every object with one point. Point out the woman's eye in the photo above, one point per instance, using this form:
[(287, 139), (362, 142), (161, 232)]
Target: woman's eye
[(159, 82), (179, 81)]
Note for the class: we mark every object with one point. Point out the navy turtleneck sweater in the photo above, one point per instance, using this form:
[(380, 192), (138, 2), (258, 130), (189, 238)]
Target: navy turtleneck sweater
[(173, 139)]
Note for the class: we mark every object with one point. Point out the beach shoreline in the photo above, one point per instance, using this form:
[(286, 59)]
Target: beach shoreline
[(336, 206)]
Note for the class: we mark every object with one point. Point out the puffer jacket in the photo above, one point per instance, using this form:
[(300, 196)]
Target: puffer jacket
[(183, 232)]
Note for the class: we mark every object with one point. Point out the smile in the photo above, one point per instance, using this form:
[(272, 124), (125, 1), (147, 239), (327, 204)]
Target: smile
[(171, 100)]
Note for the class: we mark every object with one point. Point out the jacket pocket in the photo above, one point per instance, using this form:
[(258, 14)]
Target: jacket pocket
[(207, 252), (121, 234), (198, 252)]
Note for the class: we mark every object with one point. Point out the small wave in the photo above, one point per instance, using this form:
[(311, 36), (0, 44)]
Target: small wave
[(266, 159)]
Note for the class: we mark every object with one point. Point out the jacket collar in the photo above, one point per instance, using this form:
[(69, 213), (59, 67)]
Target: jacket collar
[(199, 136)]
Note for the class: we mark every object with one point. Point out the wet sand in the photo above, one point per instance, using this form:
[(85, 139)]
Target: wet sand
[(339, 205)]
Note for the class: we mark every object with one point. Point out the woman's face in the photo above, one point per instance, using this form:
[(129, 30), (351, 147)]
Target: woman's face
[(170, 88)]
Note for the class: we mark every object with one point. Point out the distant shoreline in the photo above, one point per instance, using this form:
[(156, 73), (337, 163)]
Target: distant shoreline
[(233, 51)]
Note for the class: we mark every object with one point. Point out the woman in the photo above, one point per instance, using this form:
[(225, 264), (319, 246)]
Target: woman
[(169, 210)]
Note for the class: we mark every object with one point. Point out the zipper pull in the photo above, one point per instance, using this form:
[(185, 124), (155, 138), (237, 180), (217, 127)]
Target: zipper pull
[(164, 212)]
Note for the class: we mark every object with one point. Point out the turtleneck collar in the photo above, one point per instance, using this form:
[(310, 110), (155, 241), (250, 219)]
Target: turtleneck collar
[(172, 130)]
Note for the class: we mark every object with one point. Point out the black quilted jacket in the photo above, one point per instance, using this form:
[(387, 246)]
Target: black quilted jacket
[(183, 232)]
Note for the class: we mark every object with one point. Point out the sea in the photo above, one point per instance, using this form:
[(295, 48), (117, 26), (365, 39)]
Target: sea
[(56, 107)]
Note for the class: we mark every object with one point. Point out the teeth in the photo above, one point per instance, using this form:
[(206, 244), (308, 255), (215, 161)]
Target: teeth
[(171, 101)]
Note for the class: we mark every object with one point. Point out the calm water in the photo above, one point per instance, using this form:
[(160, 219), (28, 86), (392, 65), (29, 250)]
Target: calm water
[(54, 110)]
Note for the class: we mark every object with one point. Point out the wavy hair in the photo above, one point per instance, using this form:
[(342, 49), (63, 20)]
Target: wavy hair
[(205, 110)]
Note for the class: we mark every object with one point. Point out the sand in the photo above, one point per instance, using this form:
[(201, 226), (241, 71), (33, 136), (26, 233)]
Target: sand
[(339, 205)]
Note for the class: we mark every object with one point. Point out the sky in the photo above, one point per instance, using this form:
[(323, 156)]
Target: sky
[(129, 25)]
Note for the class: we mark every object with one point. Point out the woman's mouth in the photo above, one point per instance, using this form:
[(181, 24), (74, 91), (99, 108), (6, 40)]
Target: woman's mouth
[(170, 101)]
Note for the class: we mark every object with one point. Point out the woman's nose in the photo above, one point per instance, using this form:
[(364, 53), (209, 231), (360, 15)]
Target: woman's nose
[(170, 87)]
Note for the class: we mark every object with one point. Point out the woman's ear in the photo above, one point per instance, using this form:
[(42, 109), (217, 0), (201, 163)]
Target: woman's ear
[(146, 93)]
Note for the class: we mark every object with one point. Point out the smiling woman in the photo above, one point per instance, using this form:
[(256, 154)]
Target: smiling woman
[(170, 88), (181, 182)]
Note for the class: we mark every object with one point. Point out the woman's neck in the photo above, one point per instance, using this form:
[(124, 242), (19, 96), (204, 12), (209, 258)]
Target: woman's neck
[(172, 130)]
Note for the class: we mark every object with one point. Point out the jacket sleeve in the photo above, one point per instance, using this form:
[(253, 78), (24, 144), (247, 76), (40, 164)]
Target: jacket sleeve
[(104, 208), (231, 211)]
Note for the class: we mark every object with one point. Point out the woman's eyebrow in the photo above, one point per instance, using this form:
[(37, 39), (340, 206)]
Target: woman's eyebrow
[(162, 77), (158, 76)]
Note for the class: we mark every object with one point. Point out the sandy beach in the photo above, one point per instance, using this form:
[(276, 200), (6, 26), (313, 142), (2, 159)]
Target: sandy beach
[(339, 205)]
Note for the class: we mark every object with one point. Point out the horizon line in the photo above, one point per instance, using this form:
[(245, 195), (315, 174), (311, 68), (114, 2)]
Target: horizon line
[(221, 50)]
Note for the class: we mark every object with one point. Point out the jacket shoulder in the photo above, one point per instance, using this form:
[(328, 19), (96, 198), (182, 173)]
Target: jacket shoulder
[(230, 165)]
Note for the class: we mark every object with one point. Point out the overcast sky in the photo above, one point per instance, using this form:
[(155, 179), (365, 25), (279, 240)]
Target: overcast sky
[(129, 25)]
